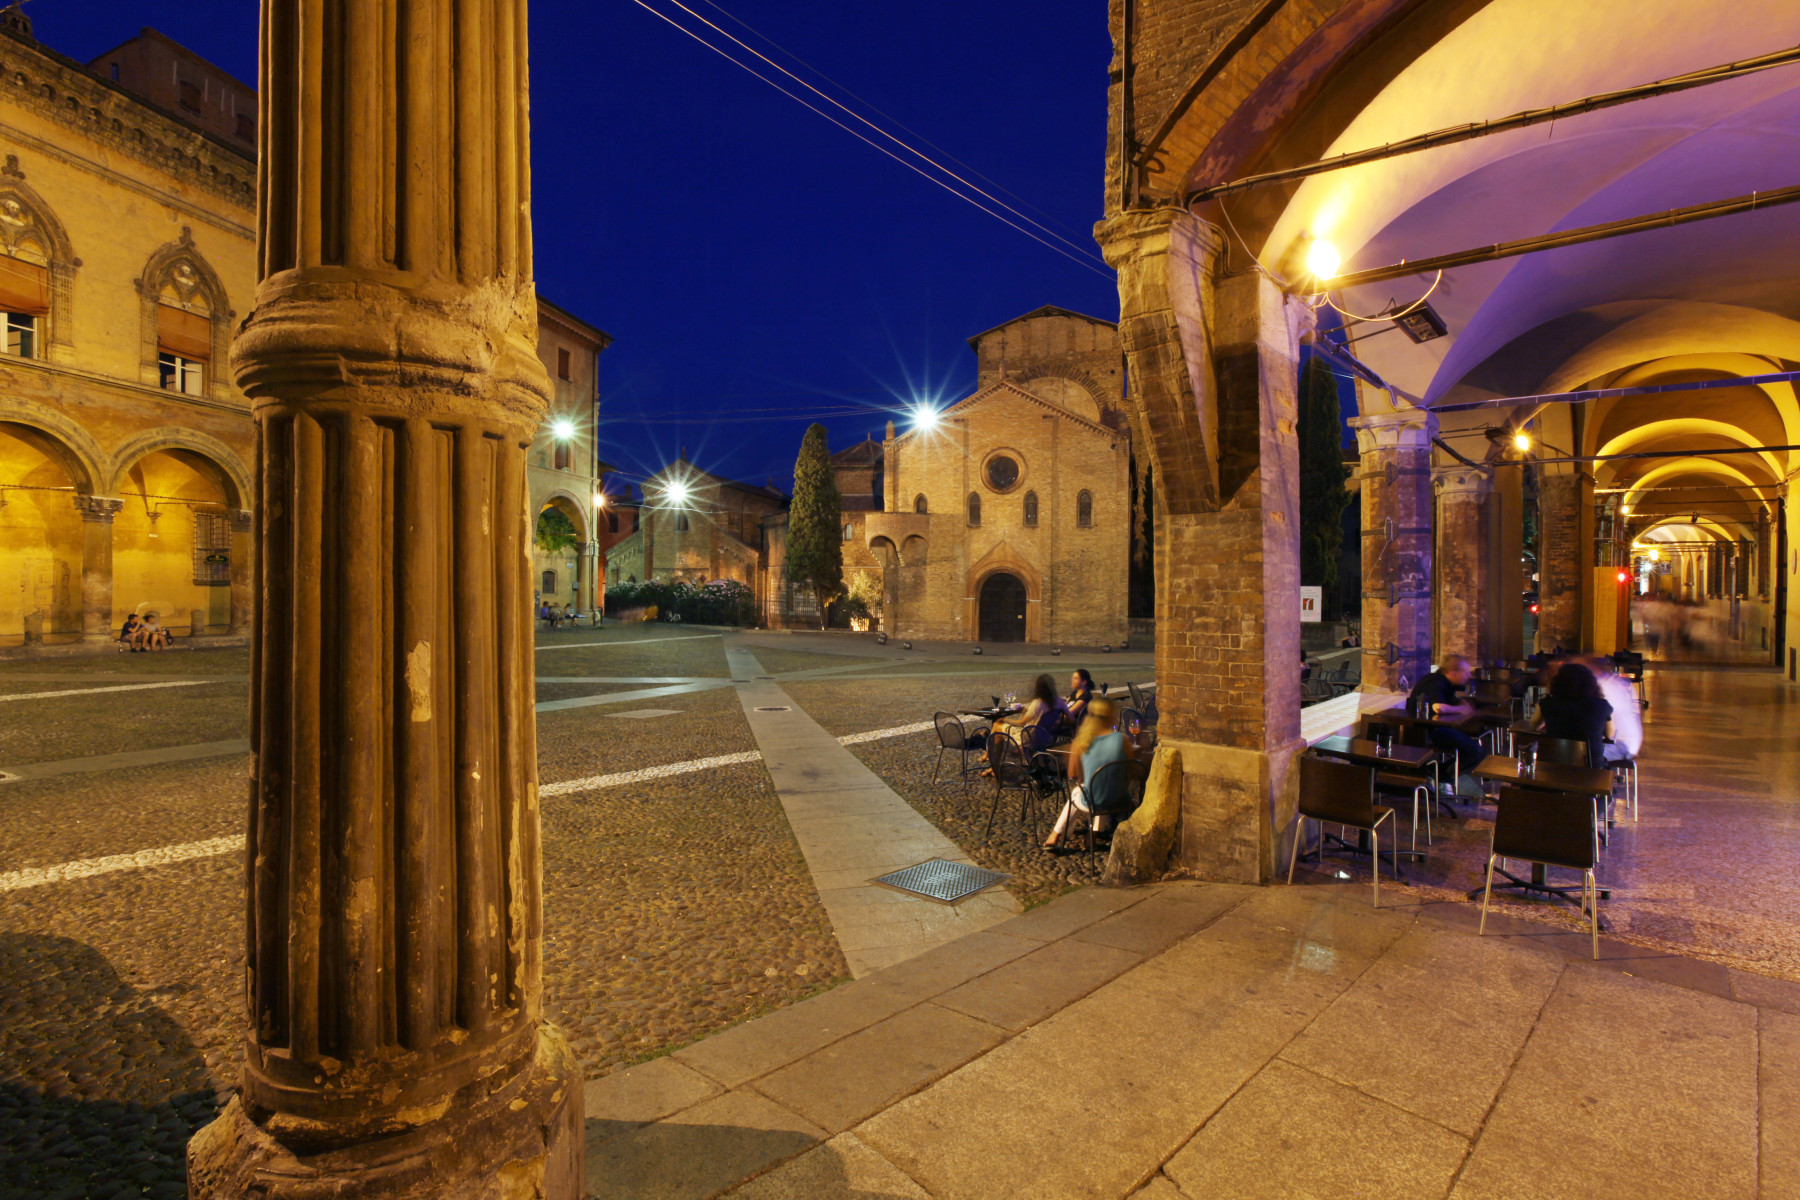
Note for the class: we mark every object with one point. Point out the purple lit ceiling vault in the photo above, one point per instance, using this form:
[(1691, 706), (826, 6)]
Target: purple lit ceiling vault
[(1710, 300)]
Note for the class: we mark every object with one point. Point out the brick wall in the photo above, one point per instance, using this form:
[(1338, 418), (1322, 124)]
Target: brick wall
[(1563, 562)]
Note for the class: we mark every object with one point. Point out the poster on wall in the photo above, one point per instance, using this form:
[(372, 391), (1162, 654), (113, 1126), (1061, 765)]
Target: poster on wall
[(1312, 601)]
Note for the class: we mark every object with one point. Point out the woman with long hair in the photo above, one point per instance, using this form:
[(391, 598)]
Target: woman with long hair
[(1577, 709), (1098, 743)]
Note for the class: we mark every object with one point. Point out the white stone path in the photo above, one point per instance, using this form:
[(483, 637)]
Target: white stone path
[(852, 827)]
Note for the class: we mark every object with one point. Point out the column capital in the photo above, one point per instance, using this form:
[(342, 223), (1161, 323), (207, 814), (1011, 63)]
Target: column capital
[(1462, 482), (1402, 428), (97, 508), (1149, 232)]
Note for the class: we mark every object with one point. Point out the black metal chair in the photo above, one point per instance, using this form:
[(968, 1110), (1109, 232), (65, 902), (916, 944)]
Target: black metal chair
[(1137, 696), (953, 735), (1495, 693), (1343, 794), (1553, 828), (1123, 782), (1013, 772)]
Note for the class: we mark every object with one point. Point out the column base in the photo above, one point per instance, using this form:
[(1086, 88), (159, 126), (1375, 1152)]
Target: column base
[(523, 1141), (1237, 807)]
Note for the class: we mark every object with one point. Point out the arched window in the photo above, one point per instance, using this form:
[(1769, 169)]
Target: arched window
[(1031, 509), (919, 503), (549, 582), (1084, 509), (681, 523), (974, 509), (186, 320), (37, 270), (562, 455), (612, 522)]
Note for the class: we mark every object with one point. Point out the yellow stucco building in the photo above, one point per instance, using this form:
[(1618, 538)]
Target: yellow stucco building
[(127, 257)]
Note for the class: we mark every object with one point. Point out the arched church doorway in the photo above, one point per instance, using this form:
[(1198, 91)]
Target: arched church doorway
[(1002, 612)]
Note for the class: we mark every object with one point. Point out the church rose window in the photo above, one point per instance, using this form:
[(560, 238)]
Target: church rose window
[(1002, 472)]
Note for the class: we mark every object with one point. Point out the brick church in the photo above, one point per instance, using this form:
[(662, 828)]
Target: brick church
[(1009, 518)]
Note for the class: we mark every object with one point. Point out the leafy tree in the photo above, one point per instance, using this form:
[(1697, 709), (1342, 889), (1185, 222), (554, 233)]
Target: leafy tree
[(1322, 477), (554, 532), (815, 538)]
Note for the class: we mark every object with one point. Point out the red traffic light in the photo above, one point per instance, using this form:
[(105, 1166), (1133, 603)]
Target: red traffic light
[(1623, 576), (1534, 608)]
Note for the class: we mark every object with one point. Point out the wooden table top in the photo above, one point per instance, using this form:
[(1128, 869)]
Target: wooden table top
[(1363, 751), (1549, 776)]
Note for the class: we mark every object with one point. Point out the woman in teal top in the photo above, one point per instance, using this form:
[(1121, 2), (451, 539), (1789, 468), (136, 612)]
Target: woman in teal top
[(1097, 745)]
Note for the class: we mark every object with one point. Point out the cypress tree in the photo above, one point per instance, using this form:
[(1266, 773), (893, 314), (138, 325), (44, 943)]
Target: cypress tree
[(815, 539), (1322, 475)]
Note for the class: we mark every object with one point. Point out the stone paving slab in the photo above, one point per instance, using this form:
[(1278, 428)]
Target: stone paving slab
[(852, 827), (1292, 1042)]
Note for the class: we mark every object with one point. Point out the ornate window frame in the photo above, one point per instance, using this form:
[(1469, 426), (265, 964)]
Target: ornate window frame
[(180, 265), (24, 217)]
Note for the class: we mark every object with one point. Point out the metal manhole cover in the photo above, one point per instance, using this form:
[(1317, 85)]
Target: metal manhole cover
[(773, 708), (941, 880)]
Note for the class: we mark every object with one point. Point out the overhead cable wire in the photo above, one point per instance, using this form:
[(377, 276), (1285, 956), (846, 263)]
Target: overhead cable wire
[(876, 108), (1087, 262), (832, 100)]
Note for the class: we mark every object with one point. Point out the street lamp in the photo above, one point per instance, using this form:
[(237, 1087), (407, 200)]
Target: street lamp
[(676, 491), (1521, 440), (1323, 259), (925, 417), (563, 428)]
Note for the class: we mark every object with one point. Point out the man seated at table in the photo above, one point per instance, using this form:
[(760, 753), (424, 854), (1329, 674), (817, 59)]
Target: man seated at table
[(1446, 691)]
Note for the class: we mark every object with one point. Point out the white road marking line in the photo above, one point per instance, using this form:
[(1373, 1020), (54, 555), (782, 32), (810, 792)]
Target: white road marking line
[(876, 735), (127, 687), (686, 637), (12, 881), (594, 782), (164, 855)]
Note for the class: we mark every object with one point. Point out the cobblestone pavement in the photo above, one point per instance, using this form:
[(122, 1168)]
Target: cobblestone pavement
[(960, 812), (673, 906)]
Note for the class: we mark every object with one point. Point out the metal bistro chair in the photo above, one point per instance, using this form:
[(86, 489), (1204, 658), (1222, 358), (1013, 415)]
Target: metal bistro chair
[(953, 735), (1124, 780), (1013, 772), (1343, 794), (1550, 828)]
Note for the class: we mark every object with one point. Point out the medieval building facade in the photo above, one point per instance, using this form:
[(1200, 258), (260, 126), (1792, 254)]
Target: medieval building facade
[(127, 258), (696, 526)]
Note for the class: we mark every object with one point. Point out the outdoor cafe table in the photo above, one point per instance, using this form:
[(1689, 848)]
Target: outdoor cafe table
[(1548, 777), (1405, 760)]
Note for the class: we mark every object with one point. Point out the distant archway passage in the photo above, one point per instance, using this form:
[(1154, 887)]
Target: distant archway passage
[(1002, 608)]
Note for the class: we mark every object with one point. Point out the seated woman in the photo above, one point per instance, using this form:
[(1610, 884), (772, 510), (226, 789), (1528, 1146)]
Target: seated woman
[(1097, 745), (152, 636), (1081, 691), (1039, 717), (1577, 709)]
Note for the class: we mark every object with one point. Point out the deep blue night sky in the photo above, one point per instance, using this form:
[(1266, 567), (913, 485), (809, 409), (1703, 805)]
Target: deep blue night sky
[(746, 254)]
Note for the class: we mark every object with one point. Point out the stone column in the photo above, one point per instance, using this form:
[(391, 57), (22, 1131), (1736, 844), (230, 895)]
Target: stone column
[(1562, 561), (395, 1045), (97, 514), (1213, 365), (1396, 546), (243, 525), (1461, 587)]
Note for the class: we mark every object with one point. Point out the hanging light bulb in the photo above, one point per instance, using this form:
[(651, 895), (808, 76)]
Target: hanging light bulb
[(1521, 440), (1323, 259)]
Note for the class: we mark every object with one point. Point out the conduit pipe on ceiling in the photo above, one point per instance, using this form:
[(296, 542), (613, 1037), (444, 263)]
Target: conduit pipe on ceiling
[(1478, 129)]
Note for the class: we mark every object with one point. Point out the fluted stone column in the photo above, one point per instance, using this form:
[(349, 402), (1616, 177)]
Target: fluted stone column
[(1396, 546), (243, 524), (1461, 587), (1213, 364), (395, 1043), (1564, 563), (97, 513)]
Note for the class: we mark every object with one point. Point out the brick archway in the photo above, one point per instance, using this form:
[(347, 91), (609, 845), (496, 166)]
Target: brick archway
[(1004, 559)]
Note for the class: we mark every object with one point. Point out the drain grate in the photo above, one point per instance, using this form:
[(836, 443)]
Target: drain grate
[(940, 880), (773, 708)]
